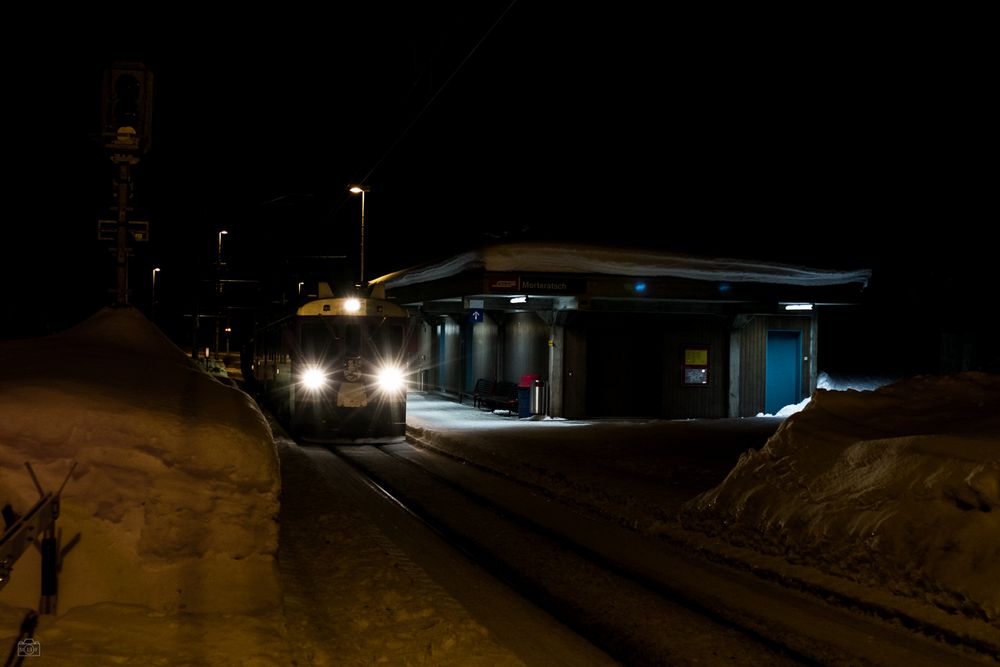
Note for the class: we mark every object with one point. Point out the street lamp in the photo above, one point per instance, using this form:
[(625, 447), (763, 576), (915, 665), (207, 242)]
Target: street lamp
[(220, 244), (361, 189), (156, 270)]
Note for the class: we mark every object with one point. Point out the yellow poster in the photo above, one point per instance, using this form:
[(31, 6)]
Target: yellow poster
[(696, 356)]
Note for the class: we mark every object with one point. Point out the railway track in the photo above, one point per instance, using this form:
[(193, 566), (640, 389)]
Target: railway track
[(642, 601)]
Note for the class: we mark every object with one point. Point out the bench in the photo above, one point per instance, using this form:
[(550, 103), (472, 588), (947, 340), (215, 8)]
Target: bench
[(482, 389), (502, 397)]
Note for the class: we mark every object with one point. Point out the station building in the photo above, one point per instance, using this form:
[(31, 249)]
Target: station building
[(621, 333)]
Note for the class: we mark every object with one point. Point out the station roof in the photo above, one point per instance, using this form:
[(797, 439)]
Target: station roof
[(562, 276)]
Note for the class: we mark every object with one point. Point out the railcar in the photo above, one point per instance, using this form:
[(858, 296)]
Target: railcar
[(335, 370)]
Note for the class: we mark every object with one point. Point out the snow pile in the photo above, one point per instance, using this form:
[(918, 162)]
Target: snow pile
[(173, 504), (835, 383), (898, 487), (788, 410), (839, 382), (580, 258)]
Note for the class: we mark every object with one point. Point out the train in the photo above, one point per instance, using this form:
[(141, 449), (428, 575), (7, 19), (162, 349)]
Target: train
[(334, 370)]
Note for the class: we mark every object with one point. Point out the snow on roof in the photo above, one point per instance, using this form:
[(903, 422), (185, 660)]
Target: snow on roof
[(577, 258)]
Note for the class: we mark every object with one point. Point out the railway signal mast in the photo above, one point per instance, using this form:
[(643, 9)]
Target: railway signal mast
[(127, 106)]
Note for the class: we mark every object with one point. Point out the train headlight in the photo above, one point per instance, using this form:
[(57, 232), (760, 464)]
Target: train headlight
[(390, 379), (314, 379)]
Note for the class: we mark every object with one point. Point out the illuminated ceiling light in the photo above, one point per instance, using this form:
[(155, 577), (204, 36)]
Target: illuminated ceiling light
[(798, 306), (352, 305), (519, 299)]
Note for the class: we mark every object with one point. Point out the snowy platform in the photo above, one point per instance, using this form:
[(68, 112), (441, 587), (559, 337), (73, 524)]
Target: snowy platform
[(885, 499)]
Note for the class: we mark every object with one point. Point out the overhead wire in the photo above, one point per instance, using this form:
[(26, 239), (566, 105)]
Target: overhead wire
[(431, 99)]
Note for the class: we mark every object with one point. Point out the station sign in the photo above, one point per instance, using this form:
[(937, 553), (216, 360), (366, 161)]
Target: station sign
[(138, 230), (535, 284)]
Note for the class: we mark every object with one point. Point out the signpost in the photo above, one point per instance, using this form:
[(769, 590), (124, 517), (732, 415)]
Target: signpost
[(107, 230), (127, 118)]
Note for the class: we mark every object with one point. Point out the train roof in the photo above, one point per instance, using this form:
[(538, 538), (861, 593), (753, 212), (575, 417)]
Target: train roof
[(351, 306)]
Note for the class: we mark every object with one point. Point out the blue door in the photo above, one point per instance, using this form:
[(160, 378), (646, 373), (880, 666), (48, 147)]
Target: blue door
[(783, 380)]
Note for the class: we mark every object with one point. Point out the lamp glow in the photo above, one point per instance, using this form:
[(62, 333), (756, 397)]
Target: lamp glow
[(314, 379), (519, 299), (352, 305), (798, 306), (390, 379)]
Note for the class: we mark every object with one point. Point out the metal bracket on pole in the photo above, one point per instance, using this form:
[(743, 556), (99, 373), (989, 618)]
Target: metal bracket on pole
[(36, 527)]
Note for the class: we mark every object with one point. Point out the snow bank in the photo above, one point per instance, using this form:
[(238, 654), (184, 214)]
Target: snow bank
[(897, 487), (841, 382), (836, 383), (174, 501)]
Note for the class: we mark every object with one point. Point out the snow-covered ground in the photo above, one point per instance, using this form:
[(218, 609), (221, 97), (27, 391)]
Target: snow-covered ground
[(638, 472), (175, 497), (170, 523), (352, 595), (897, 487)]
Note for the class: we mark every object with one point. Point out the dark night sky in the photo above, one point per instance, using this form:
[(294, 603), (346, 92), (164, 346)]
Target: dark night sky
[(813, 138)]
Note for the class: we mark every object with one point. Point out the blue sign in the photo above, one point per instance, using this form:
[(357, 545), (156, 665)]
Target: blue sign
[(476, 315)]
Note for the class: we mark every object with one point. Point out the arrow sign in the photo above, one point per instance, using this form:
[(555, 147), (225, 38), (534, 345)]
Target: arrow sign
[(476, 315)]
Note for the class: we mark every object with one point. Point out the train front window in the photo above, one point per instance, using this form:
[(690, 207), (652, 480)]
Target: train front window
[(388, 340), (316, 341)]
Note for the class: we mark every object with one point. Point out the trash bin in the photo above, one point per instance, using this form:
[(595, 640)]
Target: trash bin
[(524, 394), (523, 402), (538, 397)]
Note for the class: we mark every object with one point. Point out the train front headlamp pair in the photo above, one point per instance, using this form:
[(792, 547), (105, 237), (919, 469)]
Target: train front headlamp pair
[(388, 378)]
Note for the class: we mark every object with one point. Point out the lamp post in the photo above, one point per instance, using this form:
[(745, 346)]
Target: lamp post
[(361, 189), (218, 289), (220, 244), (156, 270)]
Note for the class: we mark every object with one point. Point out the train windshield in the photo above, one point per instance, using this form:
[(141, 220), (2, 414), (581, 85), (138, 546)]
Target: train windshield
[(388, 340), (316, 341), (352, 340), (323, 341)]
